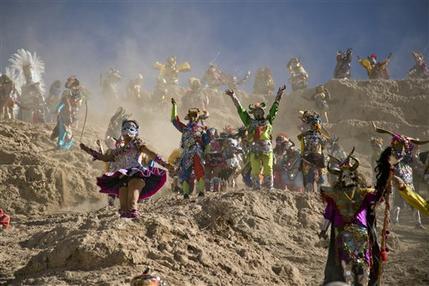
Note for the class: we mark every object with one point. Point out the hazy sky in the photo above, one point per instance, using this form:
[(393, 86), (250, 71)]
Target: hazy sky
[(87, 37)]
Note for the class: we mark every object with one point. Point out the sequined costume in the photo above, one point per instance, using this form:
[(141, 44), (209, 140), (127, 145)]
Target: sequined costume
[(313, 140), (193, 141), (259, 129), (376, 70), (298, 77), (168, 78), (129, 179), (353, 255), (343, 66), (67, 110), (321, 97), (402, 147), (404, 170), (127, 163), (287, 174), (232, 152), (214, 161), (420, 70)]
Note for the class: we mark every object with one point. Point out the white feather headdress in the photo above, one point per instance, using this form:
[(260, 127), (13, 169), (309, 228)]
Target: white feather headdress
[(23, 58)]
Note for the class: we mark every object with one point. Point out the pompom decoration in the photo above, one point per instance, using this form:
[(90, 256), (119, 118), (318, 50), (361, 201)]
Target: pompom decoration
[(383, 255)]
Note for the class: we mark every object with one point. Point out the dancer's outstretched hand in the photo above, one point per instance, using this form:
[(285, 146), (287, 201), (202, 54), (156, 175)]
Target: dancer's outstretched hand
[(84, 147), (280, 92), (229, 92)]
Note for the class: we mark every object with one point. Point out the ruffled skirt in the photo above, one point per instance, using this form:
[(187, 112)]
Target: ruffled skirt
[(154, 178)]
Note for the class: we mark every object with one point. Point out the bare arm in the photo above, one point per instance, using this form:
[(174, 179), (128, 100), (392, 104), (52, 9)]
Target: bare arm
[(155, 157)]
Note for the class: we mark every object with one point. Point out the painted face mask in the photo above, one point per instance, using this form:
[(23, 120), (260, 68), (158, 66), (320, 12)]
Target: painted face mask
[(130, 129), (348, 178), (346, 169)]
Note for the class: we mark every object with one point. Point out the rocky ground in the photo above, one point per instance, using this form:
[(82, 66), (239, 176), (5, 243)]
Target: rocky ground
[(64, 234), (239, 237)]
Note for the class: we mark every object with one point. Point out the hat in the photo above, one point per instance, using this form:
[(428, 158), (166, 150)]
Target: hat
[(256, 106), (342, 165), (193, 113)]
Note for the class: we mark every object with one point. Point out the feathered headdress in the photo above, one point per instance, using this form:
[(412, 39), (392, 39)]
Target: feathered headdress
[(22, 60)]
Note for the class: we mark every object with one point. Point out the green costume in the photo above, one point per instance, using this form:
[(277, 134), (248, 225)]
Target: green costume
[(259, 137)]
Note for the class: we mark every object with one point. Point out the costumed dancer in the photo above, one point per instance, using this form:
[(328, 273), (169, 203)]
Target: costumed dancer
[(313, 140), (354, 254), (289, 166), (28, 70), (53, 99), (68, 111), (264, 83), (109, 82), (402, 148), (343, 66), (213, 78), (292, 175), (194, 139), (334, 150), (376, 70), (259, 130), (132, 182), (298, 77), (232, 152), (279, 152), (195, 95), (322, 97), (168, 78), (246, 171), (214, 161), (420, 69), (8, 97), (135, 93)]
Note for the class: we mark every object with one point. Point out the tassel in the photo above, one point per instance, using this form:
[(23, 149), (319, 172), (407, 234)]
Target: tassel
[(384, 255)]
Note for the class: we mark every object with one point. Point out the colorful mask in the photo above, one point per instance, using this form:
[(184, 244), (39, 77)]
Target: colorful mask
[(130, 128)]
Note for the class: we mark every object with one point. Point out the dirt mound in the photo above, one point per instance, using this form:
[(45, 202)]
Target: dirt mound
[(35, 178), (234, 238), (237, 237), (223, 239)]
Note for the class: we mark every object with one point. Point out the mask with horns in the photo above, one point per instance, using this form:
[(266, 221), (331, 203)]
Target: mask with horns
[(346, 169)]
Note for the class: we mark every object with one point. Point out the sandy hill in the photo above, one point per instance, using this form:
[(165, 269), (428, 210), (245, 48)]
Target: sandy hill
[(64, 234)]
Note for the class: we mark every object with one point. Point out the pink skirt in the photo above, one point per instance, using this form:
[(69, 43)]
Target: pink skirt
[(154, 178)]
